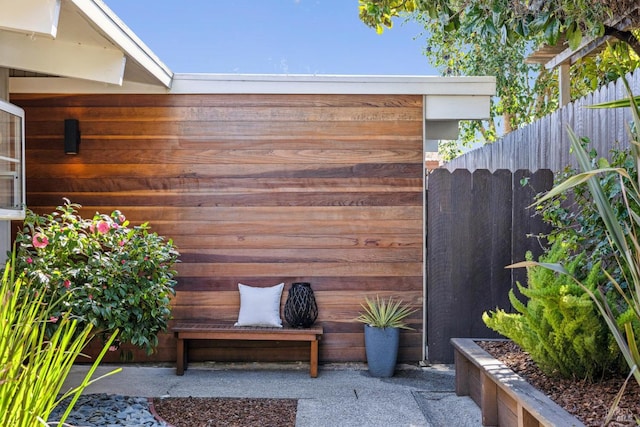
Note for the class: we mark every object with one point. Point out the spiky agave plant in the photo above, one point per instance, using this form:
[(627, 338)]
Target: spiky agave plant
[(385, 313)]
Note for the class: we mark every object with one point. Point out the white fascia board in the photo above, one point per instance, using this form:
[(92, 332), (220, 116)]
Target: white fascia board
[(481, 87), (61, 58), (37, 17), (76, 86), (457, 107), (331, 84), (98, 13)]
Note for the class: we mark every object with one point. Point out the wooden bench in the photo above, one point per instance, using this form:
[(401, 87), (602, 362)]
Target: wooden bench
[(212, 331)]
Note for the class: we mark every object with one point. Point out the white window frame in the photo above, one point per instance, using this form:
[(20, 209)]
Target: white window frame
[(17, 211)]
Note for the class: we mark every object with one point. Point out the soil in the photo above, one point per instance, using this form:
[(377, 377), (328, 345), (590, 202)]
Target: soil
[(231, 412), (589, 402)]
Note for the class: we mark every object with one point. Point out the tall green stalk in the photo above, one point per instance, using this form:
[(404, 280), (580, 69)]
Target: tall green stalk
[(623, 237), (34, 366)]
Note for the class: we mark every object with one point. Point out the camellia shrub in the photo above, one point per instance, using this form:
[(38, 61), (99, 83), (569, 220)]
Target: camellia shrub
[(118, 277)]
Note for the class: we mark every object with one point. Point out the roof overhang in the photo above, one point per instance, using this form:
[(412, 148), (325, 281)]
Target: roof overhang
[(560, 54), (447, 100), (75, 39), (274, 84), (80, 46)]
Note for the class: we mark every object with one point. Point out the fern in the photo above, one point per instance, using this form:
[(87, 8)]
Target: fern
[(558, 324)]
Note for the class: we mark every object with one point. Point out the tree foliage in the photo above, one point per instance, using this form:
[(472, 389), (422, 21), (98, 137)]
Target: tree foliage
[(549, 20), (524, 91), (462, 40)]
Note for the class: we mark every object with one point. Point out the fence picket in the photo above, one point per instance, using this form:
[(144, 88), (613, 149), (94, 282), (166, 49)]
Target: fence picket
[(477, 224), (544, 144)]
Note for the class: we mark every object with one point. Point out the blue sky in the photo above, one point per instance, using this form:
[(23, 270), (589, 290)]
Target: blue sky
[(272, 37)]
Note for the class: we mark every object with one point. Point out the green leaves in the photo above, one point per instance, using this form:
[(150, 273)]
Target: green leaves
[(621, 223), (381, 313), (574, 35), (108, 270), (494, 38), (557, 322), (34, 364)]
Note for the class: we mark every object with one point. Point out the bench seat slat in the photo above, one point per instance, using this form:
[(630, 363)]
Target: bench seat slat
[(215, 331)]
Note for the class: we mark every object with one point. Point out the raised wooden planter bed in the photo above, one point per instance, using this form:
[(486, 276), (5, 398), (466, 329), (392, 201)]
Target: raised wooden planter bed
[(504, 397)]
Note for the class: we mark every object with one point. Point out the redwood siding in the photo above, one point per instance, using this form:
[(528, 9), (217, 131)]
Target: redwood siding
[(258, 189)]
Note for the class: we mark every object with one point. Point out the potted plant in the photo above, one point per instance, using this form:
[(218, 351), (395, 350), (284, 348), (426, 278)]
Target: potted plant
[(383, 319)]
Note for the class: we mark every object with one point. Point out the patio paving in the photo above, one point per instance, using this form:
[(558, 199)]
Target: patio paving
[(342, 395)]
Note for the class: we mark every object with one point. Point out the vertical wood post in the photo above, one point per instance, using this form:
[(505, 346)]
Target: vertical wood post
[(180, 356), (462, 374), (314, 359), (525, 419), (489, 399)]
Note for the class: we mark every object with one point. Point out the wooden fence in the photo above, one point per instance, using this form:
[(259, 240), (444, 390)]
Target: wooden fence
[(545, 143), (477, 224)]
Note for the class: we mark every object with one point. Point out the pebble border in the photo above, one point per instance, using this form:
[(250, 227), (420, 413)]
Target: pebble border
[(104, 410)]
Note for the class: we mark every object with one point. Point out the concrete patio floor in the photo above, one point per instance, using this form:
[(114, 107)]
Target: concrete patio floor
[(342, 395)]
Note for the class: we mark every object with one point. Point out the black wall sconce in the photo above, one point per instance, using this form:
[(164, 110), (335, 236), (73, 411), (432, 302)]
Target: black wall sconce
[(71, 136)]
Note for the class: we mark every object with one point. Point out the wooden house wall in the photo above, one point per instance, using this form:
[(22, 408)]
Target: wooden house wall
[(257, 189)]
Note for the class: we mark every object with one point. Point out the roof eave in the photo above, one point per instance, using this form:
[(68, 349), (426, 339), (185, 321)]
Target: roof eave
[(119, 34)]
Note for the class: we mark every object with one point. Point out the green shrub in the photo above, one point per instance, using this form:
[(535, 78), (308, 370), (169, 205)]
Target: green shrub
[(575, 218), (560, 325), (34, 364), (116, 276)]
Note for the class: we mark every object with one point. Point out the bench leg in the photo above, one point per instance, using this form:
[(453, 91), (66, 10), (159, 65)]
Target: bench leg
[(314, 359), (180, 357)]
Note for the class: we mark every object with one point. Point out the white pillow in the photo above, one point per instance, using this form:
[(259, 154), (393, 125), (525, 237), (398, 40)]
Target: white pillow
[(260, 306)]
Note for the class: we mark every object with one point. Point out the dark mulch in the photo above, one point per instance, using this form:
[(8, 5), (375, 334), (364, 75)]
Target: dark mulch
[(210, 412), (588, 402)]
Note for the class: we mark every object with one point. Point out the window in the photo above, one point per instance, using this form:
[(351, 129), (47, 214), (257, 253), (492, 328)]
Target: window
[(12, 185)]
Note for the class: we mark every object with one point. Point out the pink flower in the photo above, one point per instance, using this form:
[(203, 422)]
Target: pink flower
[(103, 227), (53, 319), (121, 242), (29, 260), (90, 297), (123, 262), (40, 240), (92, 228), (67, 284)]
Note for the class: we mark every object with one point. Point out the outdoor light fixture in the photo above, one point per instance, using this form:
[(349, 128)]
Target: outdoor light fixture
[(71, 136)]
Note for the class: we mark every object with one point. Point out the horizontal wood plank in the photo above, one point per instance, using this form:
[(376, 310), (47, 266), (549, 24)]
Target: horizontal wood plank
[(64, 167), (256, 189)]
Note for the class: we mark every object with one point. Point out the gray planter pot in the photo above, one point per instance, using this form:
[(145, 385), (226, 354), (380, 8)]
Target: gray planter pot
[(381, 345)]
